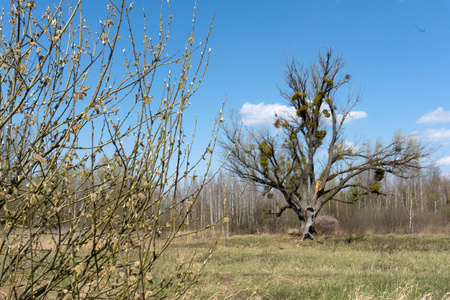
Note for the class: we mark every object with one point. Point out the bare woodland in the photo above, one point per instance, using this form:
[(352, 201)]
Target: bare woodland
[(419, 204)]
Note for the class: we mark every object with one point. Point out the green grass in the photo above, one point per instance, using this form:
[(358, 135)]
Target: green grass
[(341, 267)]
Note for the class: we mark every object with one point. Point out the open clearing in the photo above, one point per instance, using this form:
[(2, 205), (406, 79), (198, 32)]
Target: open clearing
[(340, 267)]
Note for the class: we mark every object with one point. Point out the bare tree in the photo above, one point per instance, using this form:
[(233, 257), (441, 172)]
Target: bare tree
[(74, 225), (306, 156)]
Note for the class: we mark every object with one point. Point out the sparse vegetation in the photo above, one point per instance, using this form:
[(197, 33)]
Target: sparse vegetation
[(341, 267)]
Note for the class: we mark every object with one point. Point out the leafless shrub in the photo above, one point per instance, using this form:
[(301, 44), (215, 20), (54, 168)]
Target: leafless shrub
[(326, 225), (93, 151)]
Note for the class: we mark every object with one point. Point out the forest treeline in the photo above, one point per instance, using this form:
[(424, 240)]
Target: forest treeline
[(419, 204)]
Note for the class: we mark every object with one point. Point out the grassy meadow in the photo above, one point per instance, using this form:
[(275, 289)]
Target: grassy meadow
[(338, 267)]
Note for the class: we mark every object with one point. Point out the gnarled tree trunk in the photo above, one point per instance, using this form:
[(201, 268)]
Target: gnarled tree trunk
[(308, 228)]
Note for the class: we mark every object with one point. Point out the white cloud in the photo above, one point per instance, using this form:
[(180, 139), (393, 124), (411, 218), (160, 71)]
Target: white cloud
[(436, 135), (260, 114), (355, 115), (443, 161), (437, 116)]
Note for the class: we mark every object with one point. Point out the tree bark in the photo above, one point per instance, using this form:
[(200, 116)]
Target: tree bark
[(308, 229)]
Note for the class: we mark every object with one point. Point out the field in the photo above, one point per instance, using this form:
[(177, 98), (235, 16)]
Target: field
[(338, 267)]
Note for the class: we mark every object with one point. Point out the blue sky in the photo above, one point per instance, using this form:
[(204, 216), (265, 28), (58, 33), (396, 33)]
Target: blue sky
[(397, 53)]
